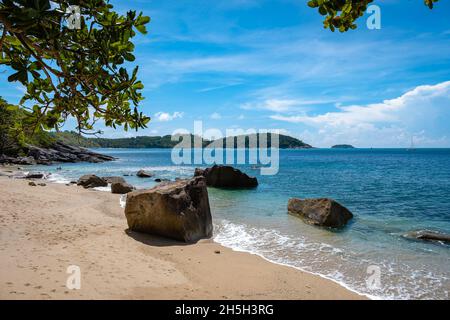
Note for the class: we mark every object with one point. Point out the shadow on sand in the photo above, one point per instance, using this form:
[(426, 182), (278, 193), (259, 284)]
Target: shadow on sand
[(156, 241)]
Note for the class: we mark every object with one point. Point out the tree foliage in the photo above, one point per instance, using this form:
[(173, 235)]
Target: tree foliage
[(79, 73), (11, 134), (17, 131), (342, 14)]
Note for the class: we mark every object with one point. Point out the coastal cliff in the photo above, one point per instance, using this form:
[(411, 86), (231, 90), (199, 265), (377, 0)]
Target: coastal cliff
[(56, 152)]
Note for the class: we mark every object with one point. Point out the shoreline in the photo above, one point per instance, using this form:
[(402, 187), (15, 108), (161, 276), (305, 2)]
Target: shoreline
[(341, 284), (45, 230)]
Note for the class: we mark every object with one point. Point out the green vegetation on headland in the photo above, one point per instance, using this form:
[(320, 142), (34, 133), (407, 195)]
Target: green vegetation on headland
[(73, 139), (343, 146), (24, 142), (285, 142), (17, 131)]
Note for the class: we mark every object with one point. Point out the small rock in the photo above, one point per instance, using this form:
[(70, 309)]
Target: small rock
[(42, 184), (121, 187), (217, 251), (91, 181), (35, 175), (32, 183), (144, 174), (112, 180)]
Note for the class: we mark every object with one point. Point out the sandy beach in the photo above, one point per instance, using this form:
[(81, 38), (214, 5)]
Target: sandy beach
[(45, 229)]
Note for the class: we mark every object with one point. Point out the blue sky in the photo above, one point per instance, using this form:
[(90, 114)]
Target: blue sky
[(270, 65)]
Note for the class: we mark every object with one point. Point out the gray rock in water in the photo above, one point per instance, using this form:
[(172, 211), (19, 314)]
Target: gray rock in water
[(429, 236), (121, 187), (178, 210), (112, 180), (144, 174), (91, 181), (320, 212), (226, 177)]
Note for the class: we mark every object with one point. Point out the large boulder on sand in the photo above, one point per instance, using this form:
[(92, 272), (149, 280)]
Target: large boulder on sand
[(91, 181), (178, 210), (121, 187), (320, 212), (226, 177)]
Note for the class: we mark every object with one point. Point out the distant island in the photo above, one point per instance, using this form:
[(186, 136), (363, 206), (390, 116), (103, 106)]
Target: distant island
[(343, 146), (72, 138)]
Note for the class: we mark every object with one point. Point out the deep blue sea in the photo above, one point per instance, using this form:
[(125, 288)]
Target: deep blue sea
[(390, 192)]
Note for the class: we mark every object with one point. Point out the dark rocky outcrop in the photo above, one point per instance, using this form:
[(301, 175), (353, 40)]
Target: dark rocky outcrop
[(429, 236), (121, 187), (17, 160), (144, 174), (91, 181), (58, 152), (226, 177), (178, 210), (320, 212)]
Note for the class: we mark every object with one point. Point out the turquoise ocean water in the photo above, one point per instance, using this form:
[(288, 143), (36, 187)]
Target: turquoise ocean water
[(390, 192)]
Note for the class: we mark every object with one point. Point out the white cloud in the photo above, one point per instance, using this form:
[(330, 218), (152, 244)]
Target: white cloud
[(423, 112), (164, 116), (282, 105), (216, 116)]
